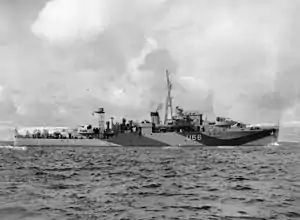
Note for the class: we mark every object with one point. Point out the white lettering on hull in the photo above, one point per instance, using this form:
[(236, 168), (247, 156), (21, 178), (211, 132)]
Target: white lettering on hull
[(194, 137)]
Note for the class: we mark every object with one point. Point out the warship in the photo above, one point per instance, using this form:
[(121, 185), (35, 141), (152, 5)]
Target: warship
[(184, 129)]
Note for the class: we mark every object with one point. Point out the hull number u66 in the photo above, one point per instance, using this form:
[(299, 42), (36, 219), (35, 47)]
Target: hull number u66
[(194, 137)]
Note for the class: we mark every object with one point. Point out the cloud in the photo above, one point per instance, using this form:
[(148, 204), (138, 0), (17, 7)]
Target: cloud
[(61, 20), (235, 51), (62, 59)]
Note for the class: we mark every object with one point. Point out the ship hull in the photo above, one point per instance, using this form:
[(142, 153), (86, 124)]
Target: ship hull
[(254, 137), (191, 139)]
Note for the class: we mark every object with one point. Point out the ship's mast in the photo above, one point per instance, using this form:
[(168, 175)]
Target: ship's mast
[(168, 105)]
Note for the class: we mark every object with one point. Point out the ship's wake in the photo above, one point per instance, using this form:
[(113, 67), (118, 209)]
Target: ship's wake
[(175, 147), (226, 147), (275, 144), (13, 147)]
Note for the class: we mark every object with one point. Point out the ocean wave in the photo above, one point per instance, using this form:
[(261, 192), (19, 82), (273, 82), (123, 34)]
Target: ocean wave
[(149, 183)]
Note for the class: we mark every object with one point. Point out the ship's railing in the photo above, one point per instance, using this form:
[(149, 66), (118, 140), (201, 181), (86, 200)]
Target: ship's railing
[(55, 135), (49, 137)]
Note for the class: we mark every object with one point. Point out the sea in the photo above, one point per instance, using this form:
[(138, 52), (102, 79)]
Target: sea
[(118, 183)]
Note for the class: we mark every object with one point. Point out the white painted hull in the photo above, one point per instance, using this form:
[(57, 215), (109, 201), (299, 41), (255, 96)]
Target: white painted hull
[(62, 142)]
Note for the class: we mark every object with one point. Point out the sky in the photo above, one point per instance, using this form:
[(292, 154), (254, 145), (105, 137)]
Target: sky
[(62, 59)]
